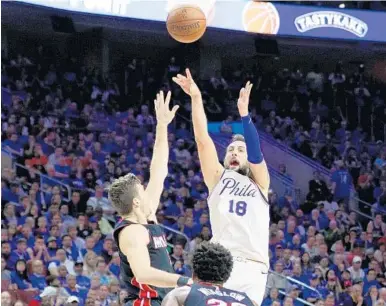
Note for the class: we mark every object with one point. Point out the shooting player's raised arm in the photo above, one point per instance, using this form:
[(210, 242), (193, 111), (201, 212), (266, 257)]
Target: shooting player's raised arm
[(256, 160), (210, 165)]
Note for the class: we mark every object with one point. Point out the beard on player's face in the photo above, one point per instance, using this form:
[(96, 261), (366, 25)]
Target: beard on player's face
[(234, 163), (241, 170)]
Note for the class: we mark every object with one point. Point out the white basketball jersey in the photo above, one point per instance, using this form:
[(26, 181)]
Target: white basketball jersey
[(239, 216)]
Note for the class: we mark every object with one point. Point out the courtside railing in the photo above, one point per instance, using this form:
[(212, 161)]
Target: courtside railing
[(43, 179), (178, 233), (49, 181), (290, 282)]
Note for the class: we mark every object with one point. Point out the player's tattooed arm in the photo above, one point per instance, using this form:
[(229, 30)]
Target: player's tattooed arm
[(176, 297), (159, 162), (133, 241), (210, 165)]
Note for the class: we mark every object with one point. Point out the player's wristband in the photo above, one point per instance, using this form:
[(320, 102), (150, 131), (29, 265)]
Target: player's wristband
[(182, 281), (255, 156)]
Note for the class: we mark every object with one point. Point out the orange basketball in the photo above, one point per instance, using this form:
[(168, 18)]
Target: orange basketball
[(186, 24), (261, 17)]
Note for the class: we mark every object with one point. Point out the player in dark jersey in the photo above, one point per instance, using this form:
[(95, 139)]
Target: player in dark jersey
[(146, 270), (212, 266)]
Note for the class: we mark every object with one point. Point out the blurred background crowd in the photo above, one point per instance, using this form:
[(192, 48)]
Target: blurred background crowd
[(69, 130)]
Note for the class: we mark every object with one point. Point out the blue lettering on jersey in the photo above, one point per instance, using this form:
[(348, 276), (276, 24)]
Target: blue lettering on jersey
[(241, 208), (234, 188)]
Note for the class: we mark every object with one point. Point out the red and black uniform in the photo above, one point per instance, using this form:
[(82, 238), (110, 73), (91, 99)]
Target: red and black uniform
[(142, 294)]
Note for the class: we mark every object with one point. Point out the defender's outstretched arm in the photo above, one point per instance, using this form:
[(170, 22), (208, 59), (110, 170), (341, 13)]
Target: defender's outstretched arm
[(159, 161)]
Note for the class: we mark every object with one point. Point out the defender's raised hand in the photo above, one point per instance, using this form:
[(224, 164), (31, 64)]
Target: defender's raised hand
[(243, 101), (163, 113), (187, 84)]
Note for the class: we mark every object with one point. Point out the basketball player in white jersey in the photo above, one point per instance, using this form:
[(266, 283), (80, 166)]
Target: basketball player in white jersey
[(239, 211)]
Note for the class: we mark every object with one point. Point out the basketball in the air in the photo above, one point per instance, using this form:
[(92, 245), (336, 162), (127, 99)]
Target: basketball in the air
[(261, 17), (186, 24)]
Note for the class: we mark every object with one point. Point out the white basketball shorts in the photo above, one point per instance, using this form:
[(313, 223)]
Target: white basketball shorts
[(249, 277)]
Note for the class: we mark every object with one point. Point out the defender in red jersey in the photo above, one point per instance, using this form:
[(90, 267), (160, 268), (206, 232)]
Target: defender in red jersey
[(146, 270)]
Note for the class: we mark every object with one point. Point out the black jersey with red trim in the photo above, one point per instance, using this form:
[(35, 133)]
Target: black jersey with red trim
[(159, 259), (209, 295)]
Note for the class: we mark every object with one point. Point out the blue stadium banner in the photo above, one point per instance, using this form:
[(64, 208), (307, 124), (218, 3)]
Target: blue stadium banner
[(249, 16)]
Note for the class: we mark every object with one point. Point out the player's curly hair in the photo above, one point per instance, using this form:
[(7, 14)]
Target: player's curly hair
[(122, 193), (212, 263)]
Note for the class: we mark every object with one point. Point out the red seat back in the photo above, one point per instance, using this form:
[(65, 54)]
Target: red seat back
[(5, 285), (26, 295)]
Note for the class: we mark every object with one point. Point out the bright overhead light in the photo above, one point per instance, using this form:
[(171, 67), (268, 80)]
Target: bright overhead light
[(342, 5)]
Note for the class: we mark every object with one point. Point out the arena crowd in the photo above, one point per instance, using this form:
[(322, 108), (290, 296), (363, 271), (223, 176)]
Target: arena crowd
[(71, 131)]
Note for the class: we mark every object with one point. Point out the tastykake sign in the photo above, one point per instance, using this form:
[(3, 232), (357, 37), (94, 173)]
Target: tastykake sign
[(250, 16), (331, 19)]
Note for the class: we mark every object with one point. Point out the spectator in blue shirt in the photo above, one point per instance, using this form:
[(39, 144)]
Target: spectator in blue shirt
[(19, 254), (323, 219), (19, 276), (13, 194), (370, 281), (114, 266), (73, 290), (317, 220), (197, 212), (273, 297), (175, 209), (13, 145), (52, 246), (341, 182), (287, 263), (37, 278), (82, 280), (27, 234), (294, 294), (296, 242), (312, 295), (298, 274), (371, 297), (9, 213), (62, 168), (98, 237), (182, 132), (188, 227), (55, 232), (204, 220), (89, 245), (69, 246)]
